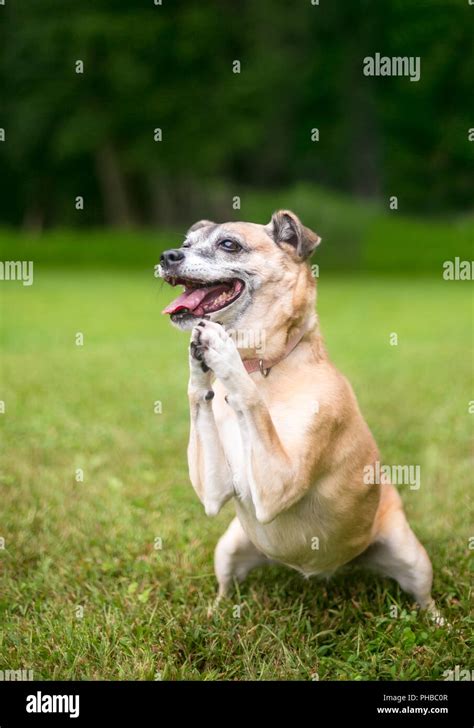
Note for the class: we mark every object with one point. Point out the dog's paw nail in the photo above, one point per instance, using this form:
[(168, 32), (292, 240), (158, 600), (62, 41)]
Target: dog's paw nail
[(227, 398), (209, 395), (196, 351), (205, 369)]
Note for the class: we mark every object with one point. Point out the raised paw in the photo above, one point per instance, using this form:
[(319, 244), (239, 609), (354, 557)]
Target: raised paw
[(200, 373), (212, 347)]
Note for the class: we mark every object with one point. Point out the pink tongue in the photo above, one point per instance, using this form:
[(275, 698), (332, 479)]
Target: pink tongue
[(193, 298)]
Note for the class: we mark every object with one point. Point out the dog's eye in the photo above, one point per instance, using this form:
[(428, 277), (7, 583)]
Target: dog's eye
[(230, 246)]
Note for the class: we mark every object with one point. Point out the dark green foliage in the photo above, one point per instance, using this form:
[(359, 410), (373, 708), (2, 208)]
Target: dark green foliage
[(170, 66)]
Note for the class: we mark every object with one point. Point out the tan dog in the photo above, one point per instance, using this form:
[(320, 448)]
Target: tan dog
[(283, 436)]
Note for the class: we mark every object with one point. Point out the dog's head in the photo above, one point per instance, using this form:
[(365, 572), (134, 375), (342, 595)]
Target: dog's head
[(240, 273)]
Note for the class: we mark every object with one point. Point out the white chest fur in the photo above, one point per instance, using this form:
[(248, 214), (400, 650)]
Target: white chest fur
[(299, 537)]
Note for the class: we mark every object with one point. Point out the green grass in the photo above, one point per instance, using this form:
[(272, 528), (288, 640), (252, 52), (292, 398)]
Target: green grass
[(70, 544)]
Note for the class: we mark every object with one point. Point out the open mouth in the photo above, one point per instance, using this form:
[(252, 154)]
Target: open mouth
[(202, 297)]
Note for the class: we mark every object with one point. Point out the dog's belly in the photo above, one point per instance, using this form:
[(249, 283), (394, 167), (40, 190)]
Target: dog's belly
[(310, 542), (316, 535)]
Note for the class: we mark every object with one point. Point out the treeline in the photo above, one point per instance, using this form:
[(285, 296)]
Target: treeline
[(155, 113)]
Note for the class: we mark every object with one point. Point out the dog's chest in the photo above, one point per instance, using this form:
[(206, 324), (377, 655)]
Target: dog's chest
[(291, 422), (307, 537)]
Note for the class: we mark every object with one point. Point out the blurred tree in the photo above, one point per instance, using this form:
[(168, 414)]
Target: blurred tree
[(170, 67)]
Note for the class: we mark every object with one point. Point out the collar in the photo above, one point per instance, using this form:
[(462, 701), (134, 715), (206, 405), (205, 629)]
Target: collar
[(264, 366)]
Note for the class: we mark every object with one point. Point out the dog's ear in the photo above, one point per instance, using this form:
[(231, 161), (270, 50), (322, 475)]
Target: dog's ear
[(199, 224), (286, 227)]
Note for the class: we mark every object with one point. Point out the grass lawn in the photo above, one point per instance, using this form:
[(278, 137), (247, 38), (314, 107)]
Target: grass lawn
[(86, 595)]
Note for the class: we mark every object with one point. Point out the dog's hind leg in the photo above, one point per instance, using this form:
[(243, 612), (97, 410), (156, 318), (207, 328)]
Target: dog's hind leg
[(234, 557), (397, 553)]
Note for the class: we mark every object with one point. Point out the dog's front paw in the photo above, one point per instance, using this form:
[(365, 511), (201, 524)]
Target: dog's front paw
[(200, 374), (212, 347)]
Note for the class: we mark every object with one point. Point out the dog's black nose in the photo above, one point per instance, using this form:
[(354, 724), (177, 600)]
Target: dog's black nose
[(171, 256)]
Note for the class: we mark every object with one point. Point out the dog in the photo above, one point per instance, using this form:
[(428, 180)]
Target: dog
[(277, 428)]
